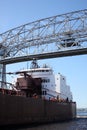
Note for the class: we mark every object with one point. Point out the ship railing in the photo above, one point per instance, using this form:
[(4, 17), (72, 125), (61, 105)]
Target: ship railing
[(7, 85), (60, 97), (8, 88)]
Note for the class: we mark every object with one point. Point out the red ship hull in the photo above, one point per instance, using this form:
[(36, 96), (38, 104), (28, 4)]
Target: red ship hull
[(26, 110)]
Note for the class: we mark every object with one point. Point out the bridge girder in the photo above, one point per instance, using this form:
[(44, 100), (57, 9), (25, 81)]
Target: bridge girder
[(66, 32), (44, 56)]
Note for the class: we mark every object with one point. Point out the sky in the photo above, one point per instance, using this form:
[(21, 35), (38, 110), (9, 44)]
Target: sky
[(14, 13)]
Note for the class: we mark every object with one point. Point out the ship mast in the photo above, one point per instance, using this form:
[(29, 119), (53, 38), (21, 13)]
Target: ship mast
[(34, 64)]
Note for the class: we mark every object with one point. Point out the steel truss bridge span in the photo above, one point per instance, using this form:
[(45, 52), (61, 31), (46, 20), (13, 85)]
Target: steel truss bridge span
[(44, 56), (57, 36)]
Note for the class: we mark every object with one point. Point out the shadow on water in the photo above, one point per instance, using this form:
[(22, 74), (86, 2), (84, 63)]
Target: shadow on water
[(77, 124)]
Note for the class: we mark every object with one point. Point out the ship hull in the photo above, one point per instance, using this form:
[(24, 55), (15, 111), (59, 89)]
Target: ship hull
[(16, 110)]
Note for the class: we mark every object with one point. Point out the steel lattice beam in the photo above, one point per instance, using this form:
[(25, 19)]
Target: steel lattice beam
[(53, 35), (45, 56)]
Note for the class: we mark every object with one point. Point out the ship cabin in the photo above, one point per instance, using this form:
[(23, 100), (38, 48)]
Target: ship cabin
[(43, 82)]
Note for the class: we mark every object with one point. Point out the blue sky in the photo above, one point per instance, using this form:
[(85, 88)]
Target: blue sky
[(14, 13)]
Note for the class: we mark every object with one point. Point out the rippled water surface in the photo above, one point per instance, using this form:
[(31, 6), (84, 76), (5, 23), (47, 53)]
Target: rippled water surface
[(77, 124)]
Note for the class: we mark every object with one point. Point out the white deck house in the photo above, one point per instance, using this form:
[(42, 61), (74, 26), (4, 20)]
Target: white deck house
[(53, 86)]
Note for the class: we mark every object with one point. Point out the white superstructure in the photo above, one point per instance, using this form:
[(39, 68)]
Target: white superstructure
[(53, 86)]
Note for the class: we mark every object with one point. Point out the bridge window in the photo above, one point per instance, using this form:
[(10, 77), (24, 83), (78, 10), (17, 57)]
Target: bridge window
[(48, 80), (45, 80), (44, 92)]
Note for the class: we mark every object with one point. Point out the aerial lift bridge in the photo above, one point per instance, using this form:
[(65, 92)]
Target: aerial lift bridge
[(57, 36)]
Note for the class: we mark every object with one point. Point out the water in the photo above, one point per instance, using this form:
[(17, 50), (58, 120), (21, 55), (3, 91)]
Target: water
[(79, 123), (82, 113)]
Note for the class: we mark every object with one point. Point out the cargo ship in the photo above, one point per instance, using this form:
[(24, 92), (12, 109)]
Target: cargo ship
[(36, 96)]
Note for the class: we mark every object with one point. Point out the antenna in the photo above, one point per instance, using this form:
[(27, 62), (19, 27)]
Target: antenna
[(34, 64)]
